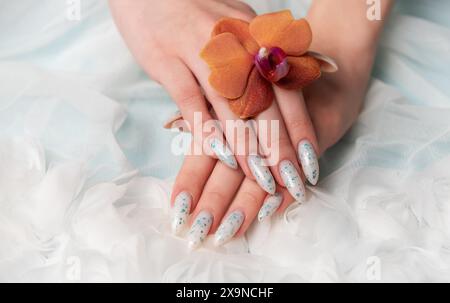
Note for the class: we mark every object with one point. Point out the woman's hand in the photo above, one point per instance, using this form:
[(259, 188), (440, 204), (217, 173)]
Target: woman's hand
[(222, 201), (166, 38), (333, 103), (348, 36)]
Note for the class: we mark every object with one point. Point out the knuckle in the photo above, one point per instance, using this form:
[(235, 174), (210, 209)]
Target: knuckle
[(215, 196), (189, 97), (250, 198), (299, 126), (246, 15), (243, 11), (282, 143), (185, 179)]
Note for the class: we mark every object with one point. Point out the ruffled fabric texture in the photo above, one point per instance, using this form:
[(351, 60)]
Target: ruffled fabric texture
[(85, 175)]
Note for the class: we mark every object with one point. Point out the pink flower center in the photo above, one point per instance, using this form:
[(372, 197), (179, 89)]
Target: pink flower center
[(272, 63)]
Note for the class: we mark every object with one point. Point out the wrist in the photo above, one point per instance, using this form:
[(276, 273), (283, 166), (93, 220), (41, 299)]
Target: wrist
[(341, 29)]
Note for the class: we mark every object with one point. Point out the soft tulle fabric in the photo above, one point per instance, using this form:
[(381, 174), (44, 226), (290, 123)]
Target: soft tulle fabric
[(86, 174)]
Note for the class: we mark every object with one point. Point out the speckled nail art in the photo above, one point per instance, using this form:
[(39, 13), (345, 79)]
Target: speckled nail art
[(308, 159), (270, 206), (292, 180), (261, 173), (229, 227), (199, 229), (180, 211), (223, 152)]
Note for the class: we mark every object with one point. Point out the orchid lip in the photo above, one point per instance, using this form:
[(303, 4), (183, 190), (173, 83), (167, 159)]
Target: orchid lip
[(272, 63)]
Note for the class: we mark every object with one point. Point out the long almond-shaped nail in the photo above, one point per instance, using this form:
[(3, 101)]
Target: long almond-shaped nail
[(229, 227), (199, 229), (308, 159), (262, 173), (180, 211), (270, 206), (223, 152), (292, 180)]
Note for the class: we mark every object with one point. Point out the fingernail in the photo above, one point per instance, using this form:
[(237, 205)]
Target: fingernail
[(180, 210), (292, 180), (270, 206), (308, 159), (223, 152), (229, 227), (261, 173), (199, 229)]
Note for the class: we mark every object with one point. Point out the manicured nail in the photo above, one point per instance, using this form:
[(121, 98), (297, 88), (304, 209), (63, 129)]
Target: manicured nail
[(229, 227), (199, 229), (261, 173), (180, 210), (308, 159), (292, 180), (223, 152), (270, 206)]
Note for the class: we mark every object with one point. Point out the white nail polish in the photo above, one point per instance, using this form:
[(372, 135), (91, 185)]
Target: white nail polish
[(261, 173), (270, 206), (180, 211), (223, 152), (229, 227), (199, 229), (292, 180), (308, 159)]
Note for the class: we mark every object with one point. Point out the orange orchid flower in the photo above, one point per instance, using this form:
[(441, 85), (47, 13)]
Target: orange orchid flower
[(247, 58)]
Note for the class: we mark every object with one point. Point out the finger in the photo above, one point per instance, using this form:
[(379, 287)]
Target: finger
[(240, 135), (287, 201), (276, 144), (270, 206), (301, 131), (241, 213), (188, 187), (184, 89), (213, 202), (329, 115), (275, 204), (243, 141), (243, 10)]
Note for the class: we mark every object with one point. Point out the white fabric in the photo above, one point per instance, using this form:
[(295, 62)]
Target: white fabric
[(85, 169)]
